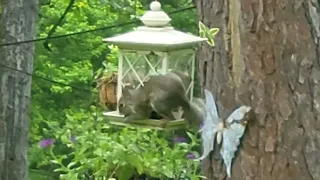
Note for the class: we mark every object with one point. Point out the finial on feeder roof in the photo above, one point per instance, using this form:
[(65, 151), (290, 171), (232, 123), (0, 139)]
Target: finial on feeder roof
[(155, 17), (155, 6)]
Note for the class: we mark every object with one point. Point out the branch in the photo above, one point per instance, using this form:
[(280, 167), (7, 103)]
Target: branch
[(46, 42)]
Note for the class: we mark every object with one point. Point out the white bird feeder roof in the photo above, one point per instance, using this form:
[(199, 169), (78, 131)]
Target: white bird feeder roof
[(156, 34)]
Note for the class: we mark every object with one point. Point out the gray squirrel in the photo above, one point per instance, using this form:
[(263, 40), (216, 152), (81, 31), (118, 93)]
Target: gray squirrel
[(162, 94)]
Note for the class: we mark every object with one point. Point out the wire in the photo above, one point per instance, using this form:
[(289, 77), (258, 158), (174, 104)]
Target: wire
[(46, 79), (88, 31), (67, 35)]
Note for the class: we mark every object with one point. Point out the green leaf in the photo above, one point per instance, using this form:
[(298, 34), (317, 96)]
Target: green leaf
[(98, 73), (64, 138), (213, 32), (55, 161), (125, 172), (203, 177), (168, 173), (71, 164), (202, 27), (115, 4), (105, 64), (77, 13), (135, 148), (83, 149), (59, 170), (136, 161), (210, 42), (193, 138)]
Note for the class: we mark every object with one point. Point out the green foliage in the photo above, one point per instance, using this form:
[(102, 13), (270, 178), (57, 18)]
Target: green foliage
[(108, 152), (110, 65), (73, 60), (38, 175), (60, 111)]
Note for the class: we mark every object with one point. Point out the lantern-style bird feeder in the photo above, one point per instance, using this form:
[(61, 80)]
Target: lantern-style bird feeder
[(155, 48)]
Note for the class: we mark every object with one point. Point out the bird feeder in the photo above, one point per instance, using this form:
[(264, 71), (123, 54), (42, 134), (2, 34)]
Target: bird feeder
[(151, 49)]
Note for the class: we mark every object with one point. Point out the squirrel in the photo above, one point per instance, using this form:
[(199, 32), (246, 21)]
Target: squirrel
[(186, 79), (162, 94), (130, 108)]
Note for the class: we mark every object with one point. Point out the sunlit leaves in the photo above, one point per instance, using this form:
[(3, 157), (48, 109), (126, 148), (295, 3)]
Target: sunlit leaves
[(140, 152), (110, 65)]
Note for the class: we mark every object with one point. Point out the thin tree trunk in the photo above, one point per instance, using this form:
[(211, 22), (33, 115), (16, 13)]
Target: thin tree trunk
[(17, 23), (267, 55)]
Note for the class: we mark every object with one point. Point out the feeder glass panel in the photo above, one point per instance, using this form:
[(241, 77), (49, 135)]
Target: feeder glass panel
[(183, 60), (138, 66)]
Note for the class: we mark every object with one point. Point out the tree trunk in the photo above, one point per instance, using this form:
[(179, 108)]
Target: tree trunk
[(267, 56), (17, 23)]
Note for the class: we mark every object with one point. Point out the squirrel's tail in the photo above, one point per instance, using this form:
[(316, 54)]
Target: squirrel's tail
[(194, 114)]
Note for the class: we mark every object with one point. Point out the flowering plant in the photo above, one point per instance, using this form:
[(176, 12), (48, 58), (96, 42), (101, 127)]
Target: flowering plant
[(98, 149)]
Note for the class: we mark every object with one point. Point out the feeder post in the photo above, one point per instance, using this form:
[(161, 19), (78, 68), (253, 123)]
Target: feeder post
[(119, 78), (192, 74), (165, 63)]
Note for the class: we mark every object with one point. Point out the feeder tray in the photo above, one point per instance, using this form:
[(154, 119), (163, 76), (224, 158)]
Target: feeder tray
[(117, 119)]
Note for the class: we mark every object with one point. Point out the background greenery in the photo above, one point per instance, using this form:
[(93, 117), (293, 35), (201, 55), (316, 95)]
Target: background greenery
[(85, 142)]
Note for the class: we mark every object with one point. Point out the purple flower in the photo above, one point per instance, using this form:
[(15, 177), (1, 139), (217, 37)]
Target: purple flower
[(180, 139), (47, 142), (201, 125), (191, 156)]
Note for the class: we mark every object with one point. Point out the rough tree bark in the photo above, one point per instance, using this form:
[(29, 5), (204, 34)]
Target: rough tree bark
[(267, 55), (17, 23)]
